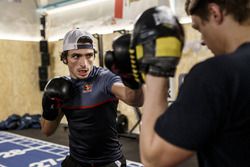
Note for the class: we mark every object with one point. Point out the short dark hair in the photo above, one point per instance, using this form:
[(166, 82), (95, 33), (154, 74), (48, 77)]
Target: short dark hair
[(239, 9), (63, 56), (85, 39)]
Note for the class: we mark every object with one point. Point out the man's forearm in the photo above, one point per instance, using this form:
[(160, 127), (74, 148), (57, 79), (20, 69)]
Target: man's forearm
[(49, 127), (154, 105), (136, 96)]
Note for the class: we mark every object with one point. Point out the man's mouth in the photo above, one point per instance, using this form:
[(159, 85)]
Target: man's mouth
[(83, 72)]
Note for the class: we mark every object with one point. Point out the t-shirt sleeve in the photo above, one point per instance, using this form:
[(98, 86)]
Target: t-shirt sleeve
[(193, 119), (109, 79)]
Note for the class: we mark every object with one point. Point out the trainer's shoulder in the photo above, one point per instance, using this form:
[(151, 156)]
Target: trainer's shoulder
[(209, 69), (209, 64)]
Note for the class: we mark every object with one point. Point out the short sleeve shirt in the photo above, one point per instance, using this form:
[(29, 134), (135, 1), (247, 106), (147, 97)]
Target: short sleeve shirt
[(211, 114)]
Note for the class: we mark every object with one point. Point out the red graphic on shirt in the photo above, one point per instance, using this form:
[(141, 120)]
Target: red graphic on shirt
[(87, 88)]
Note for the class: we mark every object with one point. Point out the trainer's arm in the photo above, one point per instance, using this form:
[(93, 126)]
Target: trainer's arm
[(133, 97), (155, 151)]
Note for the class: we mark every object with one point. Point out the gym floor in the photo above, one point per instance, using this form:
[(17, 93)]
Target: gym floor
[(130, 145)]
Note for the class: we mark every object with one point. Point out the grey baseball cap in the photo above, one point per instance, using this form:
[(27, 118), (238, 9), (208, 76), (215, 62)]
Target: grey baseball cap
[(71, 40)]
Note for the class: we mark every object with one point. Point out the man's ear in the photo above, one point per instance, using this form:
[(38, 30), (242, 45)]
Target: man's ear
[(63, 57), (215, 13), (65, 61)]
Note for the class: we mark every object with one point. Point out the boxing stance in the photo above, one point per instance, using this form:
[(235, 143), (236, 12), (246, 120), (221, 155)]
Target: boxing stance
[(211, 115), (88, 97)]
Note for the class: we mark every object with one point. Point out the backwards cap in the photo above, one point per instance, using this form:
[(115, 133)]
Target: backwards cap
[(71, 40)]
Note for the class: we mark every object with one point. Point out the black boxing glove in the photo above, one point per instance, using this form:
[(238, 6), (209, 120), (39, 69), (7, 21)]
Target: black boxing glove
[(118, 61), (157, 42), (56, 92)]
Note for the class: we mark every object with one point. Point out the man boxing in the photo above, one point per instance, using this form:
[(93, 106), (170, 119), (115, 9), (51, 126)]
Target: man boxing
[(88, 97)]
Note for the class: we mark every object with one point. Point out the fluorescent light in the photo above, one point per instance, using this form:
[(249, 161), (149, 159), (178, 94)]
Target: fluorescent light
[(55, 38), (96, 30), (70, 6), (17, 37)]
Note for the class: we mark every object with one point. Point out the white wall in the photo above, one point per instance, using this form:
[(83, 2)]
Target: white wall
[(19, 20), (96, 17)]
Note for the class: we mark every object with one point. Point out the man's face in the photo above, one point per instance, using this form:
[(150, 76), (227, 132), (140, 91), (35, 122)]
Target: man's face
[(80, 62), (209, 34)]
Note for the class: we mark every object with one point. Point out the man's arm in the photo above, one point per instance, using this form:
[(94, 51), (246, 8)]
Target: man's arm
[(133, 97), (155, 151), (49, 127), (57, 91), (119, 62)]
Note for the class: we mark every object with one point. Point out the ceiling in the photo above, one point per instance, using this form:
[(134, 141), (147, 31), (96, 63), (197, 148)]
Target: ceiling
[(21, 18)]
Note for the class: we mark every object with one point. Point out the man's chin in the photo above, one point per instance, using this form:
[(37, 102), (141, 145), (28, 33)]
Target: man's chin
[(82, 76), (79, 76)]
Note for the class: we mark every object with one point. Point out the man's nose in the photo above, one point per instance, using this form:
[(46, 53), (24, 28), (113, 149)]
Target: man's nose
[(83, 61)]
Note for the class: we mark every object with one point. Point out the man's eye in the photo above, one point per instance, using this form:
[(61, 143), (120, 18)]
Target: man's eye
[(75, 56), (89, 55)]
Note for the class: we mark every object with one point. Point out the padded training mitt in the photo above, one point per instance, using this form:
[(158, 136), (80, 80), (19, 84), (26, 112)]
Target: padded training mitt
[(119, 62), (157, 42)]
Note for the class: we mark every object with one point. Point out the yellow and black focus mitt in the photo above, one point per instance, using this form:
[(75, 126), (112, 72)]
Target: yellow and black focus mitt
[(156, 43)]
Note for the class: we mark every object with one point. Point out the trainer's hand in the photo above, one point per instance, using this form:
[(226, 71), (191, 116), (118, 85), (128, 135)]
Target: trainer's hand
[(157, 42), (118, 61), (56, 92)]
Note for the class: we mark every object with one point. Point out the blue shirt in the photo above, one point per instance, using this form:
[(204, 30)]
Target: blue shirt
[(91, 117)]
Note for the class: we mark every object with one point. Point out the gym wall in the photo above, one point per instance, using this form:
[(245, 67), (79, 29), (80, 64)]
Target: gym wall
[(19, 78)]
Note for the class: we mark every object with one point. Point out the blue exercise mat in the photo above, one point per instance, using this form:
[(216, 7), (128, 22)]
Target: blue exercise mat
[(21, 151)]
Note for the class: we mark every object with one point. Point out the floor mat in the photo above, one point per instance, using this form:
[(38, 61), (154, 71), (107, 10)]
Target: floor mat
[(21, 151)]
